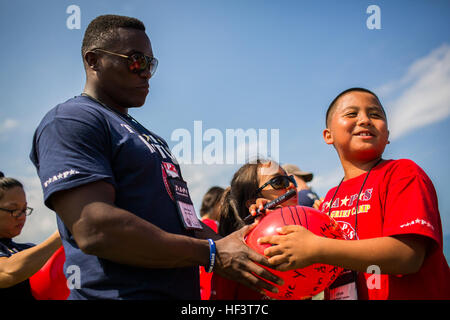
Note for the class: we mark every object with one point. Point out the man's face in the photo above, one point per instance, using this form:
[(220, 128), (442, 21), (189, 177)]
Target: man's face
[(358, 127), (125, 88)]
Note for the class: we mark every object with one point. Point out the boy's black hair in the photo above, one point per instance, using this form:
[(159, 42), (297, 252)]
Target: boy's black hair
[(101, 31), (333, 103)]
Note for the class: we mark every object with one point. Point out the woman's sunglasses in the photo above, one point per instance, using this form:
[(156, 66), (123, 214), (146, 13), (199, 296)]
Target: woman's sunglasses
[(137, 62), (278, 182)]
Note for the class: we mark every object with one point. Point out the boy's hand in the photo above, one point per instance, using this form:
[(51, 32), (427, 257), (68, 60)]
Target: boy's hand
[(294, 248)]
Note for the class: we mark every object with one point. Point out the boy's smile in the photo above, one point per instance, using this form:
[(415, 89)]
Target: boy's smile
[(358, 127)]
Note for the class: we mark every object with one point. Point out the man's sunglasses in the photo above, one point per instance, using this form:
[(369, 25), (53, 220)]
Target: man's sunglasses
[(278, 182), (137, 62)]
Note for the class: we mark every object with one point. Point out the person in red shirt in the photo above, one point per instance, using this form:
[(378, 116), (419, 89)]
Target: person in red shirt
[(256, 179), (209, 212), (388, 208)]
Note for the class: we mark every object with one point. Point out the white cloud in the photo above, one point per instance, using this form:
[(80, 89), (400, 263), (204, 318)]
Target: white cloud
[(8, 124), (422, 96)]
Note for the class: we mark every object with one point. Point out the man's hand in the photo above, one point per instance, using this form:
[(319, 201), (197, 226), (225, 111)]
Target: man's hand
[(236, 261)]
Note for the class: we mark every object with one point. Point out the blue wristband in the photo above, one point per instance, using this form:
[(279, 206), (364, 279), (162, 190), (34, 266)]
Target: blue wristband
[(212, 255)]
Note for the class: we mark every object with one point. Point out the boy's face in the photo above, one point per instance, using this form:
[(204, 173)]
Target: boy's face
[(357, 127)]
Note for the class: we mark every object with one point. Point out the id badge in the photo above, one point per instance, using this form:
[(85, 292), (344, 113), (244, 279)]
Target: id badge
[(344, 288), (184, 204)]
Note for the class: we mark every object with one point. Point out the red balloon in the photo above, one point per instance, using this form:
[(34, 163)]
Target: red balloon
[(49, 283), (306, 282)]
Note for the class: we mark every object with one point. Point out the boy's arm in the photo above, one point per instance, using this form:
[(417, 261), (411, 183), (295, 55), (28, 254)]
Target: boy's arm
[(297, 247)]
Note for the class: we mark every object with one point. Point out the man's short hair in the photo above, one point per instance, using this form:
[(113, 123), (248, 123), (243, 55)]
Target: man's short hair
[(101, 32), (333, 103)]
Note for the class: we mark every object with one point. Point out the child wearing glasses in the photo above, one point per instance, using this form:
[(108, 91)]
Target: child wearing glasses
[(253, 180), (387, 208), (18, 261)]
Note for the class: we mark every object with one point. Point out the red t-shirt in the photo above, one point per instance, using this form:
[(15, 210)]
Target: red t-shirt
[(205, 277), (397, 198)]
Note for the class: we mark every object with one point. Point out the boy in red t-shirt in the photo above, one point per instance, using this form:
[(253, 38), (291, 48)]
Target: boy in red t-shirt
[(388, 208)]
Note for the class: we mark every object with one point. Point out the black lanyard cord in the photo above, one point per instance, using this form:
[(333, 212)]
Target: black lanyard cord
[(359, 195), (126, 117)]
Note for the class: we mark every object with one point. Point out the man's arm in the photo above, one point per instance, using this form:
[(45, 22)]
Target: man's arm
[(207, 233), (100, 228)]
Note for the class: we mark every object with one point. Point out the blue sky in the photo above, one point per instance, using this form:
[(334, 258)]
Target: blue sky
[(241, 64)]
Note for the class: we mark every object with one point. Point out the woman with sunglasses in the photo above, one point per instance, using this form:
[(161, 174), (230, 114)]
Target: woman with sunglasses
[(259, 179), (18, 262)]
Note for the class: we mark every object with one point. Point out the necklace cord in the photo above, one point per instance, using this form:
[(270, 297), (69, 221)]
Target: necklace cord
[(359, 195)]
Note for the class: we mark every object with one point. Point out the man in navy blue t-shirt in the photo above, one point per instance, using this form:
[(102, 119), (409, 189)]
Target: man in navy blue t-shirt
[(124, 213)]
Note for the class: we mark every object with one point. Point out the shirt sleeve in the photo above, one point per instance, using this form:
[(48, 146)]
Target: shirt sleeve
[(71, 150), (411, 205), (5, 252)]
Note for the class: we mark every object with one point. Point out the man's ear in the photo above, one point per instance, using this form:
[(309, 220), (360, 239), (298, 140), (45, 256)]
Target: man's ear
[(327, 136), (91, 59)]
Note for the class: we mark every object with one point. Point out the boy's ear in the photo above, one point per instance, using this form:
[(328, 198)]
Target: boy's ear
[(327, 136), (388, 142)]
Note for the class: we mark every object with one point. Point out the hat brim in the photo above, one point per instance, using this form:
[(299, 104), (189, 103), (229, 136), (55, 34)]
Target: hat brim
[(306, 176)]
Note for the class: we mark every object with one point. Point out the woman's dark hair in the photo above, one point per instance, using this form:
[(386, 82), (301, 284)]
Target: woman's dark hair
[(210, 199), (233, 204), (7, 183)]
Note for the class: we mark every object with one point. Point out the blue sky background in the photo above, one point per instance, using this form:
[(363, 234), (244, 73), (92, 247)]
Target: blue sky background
[(241, 64)]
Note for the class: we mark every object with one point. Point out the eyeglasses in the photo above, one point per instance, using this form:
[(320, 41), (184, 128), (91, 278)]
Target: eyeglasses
[(278, 182), (137, 62), (19, 212)]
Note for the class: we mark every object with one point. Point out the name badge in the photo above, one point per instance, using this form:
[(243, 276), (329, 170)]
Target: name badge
[(344, 288), (184, 204)]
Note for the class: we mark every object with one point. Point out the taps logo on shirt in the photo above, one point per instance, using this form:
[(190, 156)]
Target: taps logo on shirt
[(181, 191), (344, 207), (171, 170), (59, 176), (153, 144), (347, 229)]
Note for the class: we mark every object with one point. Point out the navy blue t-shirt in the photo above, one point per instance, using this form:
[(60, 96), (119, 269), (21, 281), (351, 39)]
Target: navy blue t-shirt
[(81, 141), (307, 197)]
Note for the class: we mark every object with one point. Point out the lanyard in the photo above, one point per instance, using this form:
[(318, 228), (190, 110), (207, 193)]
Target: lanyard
[(128, 118), (357, 200), (175, 185)]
